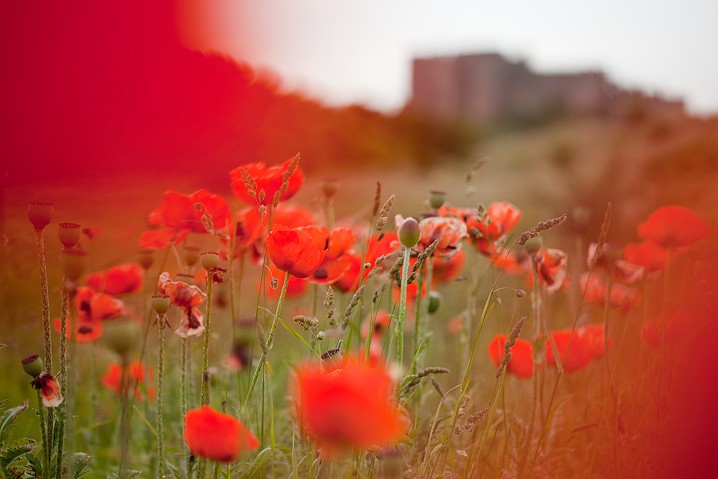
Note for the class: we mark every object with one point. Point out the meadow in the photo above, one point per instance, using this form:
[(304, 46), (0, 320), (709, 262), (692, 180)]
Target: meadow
[(447, 323)]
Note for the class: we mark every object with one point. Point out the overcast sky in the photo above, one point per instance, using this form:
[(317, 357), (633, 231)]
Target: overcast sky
[(360, 51)]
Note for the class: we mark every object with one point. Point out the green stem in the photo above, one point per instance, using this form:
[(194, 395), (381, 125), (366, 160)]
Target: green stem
[(402, 307), (160, 409), (45, 292), (183, 400), (270, 339), (204, 392), (124, 416), (62, 414), (43, 432)]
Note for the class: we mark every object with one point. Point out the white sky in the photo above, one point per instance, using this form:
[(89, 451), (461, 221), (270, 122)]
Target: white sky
[(360, 51)]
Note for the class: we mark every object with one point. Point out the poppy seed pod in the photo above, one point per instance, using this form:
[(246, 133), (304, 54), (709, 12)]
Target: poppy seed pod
[(191, 255), (434, 301), (121, 335), (437, 198), (68, 234), (40, 214), (209, 260), (534, 244), (329, 187), (409, 233), (33, 365), (73, 263), (161, 303), (146, 257)]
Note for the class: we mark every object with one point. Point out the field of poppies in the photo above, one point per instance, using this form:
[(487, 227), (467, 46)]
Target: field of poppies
[(257, 337)]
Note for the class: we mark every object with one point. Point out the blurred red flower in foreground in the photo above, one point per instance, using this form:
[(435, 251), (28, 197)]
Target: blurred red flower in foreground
[(112, 380), (521, 363), (673, 227), (298, 251), (574, 349), (351, 407), (214, 435), (268, 180), (665, 329), (49, 389), (120, 279), (179, 215)]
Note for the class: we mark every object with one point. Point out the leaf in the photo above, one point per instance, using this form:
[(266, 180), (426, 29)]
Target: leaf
[(80, 461), (35, 464), (259, 462), (6, 422), (9, 454)]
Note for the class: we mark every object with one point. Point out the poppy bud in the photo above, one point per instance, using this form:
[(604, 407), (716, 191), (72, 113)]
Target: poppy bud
[(434, 301), (581, 217), (69, 234), (146, 257), (321, 335), (437, 198), (520, 293), (121, 335), (191, 255), (329, 187), (409, 233), (210, 260), (533, 245), (33, 365), (73, 263), (40, 214), (160, 303)]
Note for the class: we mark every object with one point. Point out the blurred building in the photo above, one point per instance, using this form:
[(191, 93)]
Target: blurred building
[(486, 87)]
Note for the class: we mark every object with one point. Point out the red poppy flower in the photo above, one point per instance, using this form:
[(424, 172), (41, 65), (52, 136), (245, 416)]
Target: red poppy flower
[(380, 245), (448, 269), (673, 227), (268, 180), (90, 309), (500, 218), (49, 389), (299, 251), (595, 336), (215, 435), (120, 279), (575, 350), (620, 269), (551, 265), (179, 215), (292, 216), (188, 298), (515, 263), (351, 407), (349, 279), (449, 231), (112, 380), (521, 363), (647, 254)]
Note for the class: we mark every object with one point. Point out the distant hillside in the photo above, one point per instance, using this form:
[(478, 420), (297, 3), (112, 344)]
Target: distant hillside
[(107, 88)]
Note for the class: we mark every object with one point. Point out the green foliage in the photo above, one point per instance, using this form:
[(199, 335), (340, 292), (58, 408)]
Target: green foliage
[(7, 421)]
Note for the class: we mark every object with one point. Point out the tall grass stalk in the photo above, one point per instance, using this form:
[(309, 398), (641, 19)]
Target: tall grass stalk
[(402, 306), (204, 385)]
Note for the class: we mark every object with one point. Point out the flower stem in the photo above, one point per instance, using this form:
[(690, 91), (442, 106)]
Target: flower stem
[(124, 415), (160, 409), (204, 392), (402, 308), (44, 290), (270, 339), (65, 379)]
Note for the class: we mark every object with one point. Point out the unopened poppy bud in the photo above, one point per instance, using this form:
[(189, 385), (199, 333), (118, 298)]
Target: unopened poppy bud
[(146, 257), (33, 365), (160, 303), (437, 198), (40, 214), (210, 260), (333, 356), (409, 233), (191, 255), (520, 293), (69, 234), (321, 335), (121, 335), (73, 263), (434, 301), (329, 187), (533, 245)]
